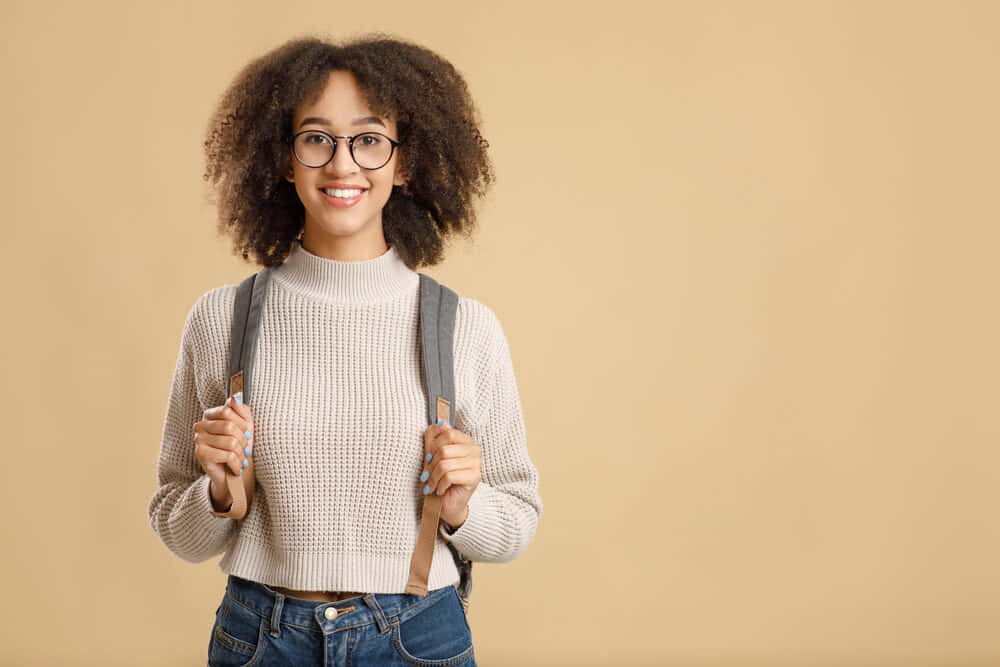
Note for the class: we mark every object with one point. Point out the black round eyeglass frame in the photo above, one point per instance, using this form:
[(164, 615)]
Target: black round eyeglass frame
[(350, 146)]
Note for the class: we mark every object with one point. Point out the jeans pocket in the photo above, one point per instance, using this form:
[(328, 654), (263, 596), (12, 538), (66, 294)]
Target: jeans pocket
[(437, 635), (238, 636)]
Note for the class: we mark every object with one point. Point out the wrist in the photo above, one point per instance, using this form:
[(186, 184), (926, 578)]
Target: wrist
[(453, 526), (221, 500)]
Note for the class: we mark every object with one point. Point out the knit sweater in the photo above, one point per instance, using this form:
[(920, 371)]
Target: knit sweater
[(339, 413)]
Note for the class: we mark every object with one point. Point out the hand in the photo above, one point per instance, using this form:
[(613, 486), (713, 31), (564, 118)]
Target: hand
[(223, 439), (454, 471)]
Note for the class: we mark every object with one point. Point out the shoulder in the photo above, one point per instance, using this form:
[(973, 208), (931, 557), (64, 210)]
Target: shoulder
[(209, 318), (477, 313), (214, 305), (479, 334)]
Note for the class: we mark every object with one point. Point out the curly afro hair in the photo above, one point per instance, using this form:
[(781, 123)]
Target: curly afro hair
[(445, 160)]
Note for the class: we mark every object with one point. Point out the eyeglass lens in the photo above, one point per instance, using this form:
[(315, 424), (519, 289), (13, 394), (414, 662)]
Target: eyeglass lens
[(315, 149)]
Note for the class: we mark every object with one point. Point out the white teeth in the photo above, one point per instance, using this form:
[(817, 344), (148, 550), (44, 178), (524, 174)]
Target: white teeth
[(345, 194)]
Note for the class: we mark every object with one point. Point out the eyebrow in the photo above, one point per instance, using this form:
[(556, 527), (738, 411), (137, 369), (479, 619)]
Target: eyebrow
[(365, 120)]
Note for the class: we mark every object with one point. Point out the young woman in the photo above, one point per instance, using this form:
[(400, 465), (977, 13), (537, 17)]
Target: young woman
[(343, 167)]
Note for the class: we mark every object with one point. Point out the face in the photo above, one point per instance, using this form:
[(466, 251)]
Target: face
[(336, 226)]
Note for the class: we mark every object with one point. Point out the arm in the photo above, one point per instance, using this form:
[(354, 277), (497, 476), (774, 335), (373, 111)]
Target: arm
[(180, 509), (505, 507)]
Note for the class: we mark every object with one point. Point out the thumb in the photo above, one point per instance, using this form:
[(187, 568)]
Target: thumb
[(236, 403)]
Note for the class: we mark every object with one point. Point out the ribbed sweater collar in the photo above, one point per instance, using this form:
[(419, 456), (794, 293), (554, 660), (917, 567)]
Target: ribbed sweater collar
[(363, 281)]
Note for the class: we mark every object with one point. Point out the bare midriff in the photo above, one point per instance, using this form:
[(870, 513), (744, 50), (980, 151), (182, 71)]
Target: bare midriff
[(321, 596)]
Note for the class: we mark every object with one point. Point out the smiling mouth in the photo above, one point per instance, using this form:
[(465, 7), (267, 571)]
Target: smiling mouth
[(345, 193), (342, 201)]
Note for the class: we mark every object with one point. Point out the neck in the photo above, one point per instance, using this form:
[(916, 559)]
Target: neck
[(368, 243)]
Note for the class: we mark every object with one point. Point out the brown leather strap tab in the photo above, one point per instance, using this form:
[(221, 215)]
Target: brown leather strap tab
[(241, 487), (420, 563)]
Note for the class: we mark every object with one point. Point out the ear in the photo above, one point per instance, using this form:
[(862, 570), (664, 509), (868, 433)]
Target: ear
[(401, 177)]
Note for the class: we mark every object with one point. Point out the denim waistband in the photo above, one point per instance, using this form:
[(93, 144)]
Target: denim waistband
[(385, 609)]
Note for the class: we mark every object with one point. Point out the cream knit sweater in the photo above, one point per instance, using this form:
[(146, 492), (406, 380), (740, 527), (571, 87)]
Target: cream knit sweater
[(339, 414)]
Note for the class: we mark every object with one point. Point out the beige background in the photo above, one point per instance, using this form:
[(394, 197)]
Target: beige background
[(745, 255)]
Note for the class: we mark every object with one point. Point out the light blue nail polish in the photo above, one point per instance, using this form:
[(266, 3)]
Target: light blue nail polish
[(245, 463), (246, 434), (429, 455), (425, 475), (440, 422), (427, 489), (239, 397), (246, 450)]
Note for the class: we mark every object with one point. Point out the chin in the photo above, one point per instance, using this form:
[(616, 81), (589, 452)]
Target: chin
[(340, 228)]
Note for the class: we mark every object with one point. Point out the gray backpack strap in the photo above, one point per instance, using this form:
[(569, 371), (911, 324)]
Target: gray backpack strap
[(438, 305), (250, 296)]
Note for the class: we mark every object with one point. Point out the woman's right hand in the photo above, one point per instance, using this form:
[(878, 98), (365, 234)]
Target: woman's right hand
[(223, 439)]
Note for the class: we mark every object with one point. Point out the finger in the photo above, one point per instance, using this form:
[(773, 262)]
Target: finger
[(464, 476), (443, 438), (226, 414), (441, 468), (450, 435), (444, 453), (209, 454), (243, 440), (431, 433), (236, 403), (226, 444), (231, 411)]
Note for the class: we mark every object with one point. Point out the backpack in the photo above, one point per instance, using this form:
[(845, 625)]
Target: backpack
[(438, 305)]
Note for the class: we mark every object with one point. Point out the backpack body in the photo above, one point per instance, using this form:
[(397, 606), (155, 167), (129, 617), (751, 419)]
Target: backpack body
[(438, 305)]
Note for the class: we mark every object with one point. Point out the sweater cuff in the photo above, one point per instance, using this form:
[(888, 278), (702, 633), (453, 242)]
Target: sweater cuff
[(479, 530)]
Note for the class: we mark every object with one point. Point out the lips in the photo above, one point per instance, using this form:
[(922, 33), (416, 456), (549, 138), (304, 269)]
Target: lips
[(342, 202), (342, 186)]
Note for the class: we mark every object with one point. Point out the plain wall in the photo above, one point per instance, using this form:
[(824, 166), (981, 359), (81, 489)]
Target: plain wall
[(745, 256)]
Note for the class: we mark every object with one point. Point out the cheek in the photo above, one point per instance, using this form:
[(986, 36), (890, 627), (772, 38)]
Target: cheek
[(303, 191)]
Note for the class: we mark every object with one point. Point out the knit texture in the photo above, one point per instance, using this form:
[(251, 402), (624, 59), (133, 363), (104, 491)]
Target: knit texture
[(339, 413)]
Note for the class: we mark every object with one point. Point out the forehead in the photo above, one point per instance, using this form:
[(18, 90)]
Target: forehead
[(340, 105)]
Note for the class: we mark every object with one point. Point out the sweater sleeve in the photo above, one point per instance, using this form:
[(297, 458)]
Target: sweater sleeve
[(505, 507), (180, 511)]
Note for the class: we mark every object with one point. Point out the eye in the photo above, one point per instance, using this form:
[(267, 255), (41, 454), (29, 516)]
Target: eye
[(370, 139), (321, 137)]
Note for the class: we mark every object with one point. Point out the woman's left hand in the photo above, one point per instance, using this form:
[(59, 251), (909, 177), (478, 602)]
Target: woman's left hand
[(454, 471)]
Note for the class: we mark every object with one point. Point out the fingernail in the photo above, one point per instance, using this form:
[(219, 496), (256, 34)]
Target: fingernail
[(427, 489), (241, 471), (425, 475), (428, 458), (440, 422), (246, 434), (245, 463), (246, 450), (239, 397)]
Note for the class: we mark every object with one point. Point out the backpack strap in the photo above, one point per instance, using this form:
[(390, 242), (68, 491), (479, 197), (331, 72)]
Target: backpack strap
[(438, 305), (250, 296)]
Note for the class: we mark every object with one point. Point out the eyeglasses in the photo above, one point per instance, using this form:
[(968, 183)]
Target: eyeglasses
[(370, 150)]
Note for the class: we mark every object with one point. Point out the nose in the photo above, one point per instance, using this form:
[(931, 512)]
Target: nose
[(342, 162)]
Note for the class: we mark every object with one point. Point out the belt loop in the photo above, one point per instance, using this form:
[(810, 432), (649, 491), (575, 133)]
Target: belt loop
[(279, 601), (380, 619)]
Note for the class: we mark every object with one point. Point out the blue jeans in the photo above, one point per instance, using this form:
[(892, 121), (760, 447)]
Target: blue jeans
[(256, 625)]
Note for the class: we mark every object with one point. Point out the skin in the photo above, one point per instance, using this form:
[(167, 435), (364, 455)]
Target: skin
[(346, 234), (353, 233)]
